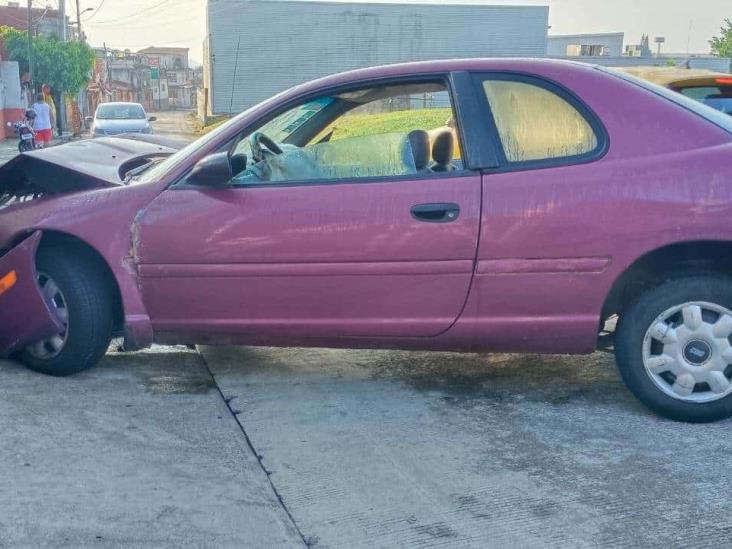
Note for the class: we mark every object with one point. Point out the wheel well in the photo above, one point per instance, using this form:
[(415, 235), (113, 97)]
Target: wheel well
[(663, 263), (54, 239)]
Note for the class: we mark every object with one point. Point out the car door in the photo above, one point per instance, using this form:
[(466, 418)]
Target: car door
[(380, 256)]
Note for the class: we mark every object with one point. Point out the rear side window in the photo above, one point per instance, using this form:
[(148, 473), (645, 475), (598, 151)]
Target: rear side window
[(535, 123)]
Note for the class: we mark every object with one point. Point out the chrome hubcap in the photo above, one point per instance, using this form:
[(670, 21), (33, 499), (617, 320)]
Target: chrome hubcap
[(687, 352), (51, 347)]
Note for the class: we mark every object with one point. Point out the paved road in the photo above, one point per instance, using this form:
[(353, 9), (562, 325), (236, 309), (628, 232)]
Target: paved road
[(173, 124), (169, 123), (357, 449)]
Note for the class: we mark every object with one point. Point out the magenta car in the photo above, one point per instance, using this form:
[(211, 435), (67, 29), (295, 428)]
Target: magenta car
[(470, 205)]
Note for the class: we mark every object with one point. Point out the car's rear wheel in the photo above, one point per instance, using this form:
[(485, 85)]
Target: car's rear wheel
[(674, 348), (77, 292)]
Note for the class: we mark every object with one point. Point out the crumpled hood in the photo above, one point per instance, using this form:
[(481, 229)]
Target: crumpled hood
[(79, 165)]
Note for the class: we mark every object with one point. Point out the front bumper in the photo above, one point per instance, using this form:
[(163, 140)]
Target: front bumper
[(25, 317)]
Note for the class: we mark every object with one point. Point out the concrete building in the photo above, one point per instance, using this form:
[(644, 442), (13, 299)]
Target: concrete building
[(580, 45), (44, 21), (176, 85), (12, 103), (118, 75), (256, 48)]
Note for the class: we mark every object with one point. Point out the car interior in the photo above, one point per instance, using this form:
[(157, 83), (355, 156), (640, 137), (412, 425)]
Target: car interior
[(376, 132)]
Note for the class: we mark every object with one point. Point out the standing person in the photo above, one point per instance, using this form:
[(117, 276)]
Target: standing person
[(42, 123), (48, 98)]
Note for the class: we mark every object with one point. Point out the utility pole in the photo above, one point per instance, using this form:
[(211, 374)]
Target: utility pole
[(78, 22), (30, 47), (62, 36)]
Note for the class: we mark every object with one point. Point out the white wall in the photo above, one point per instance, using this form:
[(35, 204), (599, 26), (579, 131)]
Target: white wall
[(557, 44), (10, 83), (283, 43)]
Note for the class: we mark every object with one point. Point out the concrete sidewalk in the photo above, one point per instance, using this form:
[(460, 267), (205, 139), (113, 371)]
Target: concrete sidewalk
[(139, 452), (390, 449)]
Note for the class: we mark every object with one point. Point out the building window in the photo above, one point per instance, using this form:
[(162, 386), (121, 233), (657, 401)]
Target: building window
[(535, 123)]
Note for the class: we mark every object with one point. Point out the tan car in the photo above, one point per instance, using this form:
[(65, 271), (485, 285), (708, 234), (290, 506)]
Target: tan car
[(711, 88)]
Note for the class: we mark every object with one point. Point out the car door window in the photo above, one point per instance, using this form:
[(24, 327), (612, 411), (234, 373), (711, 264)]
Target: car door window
[(385, 131), (535, 123)]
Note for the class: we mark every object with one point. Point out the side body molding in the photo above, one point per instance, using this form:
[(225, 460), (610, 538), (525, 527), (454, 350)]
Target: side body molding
[(25, 317)]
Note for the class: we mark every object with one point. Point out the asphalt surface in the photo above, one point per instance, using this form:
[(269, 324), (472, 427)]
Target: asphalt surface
[(247, 447)]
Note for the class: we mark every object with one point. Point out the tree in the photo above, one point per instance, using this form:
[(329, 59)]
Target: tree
[(65, 66), (722, 44)]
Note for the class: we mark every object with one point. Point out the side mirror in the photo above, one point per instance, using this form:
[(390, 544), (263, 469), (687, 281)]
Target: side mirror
[(213, 170), (88, 119), (152, 118)]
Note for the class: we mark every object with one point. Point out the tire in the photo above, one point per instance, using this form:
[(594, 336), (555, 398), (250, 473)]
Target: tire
[(88, 307), (23, 147), (674, 349)]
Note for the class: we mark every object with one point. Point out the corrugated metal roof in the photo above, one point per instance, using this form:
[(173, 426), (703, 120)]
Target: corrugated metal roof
[(283, 43)]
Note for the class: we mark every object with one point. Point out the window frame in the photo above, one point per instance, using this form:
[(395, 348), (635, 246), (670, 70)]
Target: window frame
[(471, 150), (506, 165)]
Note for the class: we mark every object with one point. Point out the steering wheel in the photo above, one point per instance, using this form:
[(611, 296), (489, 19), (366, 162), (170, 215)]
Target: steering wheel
[(261, 146)]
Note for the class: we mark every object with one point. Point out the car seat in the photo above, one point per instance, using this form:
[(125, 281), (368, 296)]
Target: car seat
[(442, 152)]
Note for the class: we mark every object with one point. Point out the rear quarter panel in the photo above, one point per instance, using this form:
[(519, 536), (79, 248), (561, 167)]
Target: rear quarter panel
[(554, 240)]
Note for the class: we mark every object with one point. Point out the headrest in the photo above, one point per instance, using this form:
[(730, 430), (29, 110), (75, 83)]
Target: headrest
[(442, 148), (419, 142)]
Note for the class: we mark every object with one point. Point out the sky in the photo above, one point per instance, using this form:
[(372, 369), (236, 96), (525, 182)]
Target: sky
[(687, 25)]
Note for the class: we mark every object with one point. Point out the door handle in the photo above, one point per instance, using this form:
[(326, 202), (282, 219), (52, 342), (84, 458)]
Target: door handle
[(436, 212)]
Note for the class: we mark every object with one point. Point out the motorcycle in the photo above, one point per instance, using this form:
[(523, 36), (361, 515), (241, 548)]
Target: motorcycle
[(26, 135)]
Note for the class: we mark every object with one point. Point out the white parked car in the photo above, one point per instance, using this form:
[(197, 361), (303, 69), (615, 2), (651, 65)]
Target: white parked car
[(118, 118)]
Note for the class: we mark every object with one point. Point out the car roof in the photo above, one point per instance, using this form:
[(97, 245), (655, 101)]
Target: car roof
[(509, 64), (121, 104)]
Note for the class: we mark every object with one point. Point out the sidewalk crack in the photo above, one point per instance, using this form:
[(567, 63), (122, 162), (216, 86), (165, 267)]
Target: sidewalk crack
[(235, 414)]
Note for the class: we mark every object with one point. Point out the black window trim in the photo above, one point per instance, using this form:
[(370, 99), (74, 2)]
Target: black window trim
[(470, 167), (505, 165)]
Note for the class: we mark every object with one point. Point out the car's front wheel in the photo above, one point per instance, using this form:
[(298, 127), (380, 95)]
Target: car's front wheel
[(673, 347), (77, 293)]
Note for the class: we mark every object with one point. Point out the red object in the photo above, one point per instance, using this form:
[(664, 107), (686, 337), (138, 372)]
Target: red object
[(527, 266), (726, 81), (44, 136)]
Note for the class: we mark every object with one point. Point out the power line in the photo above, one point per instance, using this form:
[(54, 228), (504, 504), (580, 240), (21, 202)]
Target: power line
[(181, 41), (127, 17), (96, 11)]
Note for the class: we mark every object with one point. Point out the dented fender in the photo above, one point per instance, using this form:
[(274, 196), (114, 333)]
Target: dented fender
[(25, 316)]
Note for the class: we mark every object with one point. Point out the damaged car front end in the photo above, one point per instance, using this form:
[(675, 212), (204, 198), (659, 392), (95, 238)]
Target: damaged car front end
[(27, 315), (78, 197)]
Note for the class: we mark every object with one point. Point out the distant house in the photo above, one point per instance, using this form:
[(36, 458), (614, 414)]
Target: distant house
[(44, 21), (584, 45), (176, 85), (119, 76)]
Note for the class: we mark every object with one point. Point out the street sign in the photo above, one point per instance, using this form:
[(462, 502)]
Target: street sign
[(155, 73)]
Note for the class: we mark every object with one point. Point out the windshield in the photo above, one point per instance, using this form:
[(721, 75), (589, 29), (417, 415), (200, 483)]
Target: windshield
[(288, 123), (714, 116), (120, 112), (279, 129)]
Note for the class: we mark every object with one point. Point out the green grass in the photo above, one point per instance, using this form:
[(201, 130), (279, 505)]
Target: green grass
[(214, 122), (357, 125)]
